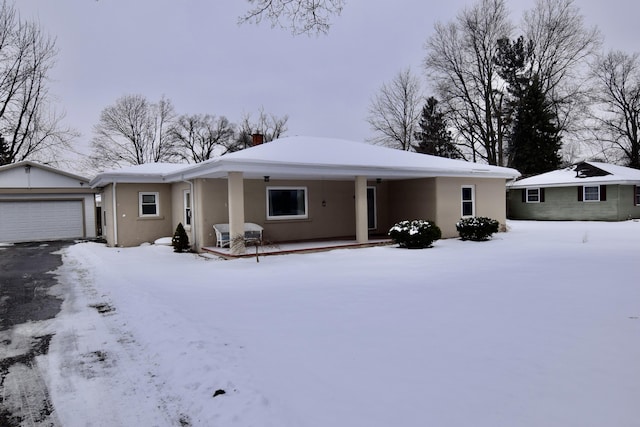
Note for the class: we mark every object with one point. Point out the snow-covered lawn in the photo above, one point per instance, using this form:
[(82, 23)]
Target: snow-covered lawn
[(538, 327)]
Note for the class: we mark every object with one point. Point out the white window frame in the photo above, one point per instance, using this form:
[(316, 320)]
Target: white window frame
[(375, 207), (636, 195), (305, 215), (584, 193), (537, 195), (472, 201), (187, 208), (156, 196)]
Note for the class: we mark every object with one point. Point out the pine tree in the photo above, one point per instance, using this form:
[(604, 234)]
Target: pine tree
[(4, 151), (180, 241), (433, 137), (535, 141)]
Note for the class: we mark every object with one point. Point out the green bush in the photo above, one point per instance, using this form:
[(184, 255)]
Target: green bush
[(180, 240), (416, 234), (477, 228)]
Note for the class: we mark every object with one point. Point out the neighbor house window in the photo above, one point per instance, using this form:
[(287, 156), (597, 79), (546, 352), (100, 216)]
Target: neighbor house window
[(591, 193), (148, 204), (533, 195), (636, 195), (287, 203), (187, 207), (468, 200)]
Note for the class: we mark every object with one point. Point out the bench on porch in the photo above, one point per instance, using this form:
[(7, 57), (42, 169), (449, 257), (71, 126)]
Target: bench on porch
[(252, 232)]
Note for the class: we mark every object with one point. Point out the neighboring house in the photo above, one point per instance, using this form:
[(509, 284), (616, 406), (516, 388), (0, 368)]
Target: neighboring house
[(298, 188), (587, 191), (39, 203)]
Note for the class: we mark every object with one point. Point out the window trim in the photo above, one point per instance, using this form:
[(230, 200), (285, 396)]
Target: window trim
[(288, 217), (538, 195), (156, 196), (187, 211), (584, 193), (472, 201), (636, 195), (375, 207)]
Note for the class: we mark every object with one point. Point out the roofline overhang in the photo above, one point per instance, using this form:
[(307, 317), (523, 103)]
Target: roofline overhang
[(106, 179), (516, 185), (23, 163), (276, 170)]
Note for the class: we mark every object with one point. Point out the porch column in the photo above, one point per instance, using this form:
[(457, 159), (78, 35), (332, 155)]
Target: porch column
[(236, 212), (362, 229)]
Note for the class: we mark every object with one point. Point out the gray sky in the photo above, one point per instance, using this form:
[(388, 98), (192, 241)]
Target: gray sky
[(194, 53)]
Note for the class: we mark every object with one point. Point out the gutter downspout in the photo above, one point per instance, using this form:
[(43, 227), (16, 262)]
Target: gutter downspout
[(194, 235), (115, 215)]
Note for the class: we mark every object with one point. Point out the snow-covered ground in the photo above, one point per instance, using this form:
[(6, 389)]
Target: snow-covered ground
[(538, 327)]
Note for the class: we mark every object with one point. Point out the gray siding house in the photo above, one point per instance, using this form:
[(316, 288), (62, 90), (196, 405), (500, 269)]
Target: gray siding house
[(587, 191)]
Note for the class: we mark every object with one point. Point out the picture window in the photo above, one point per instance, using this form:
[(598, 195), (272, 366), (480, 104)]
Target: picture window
[(287, 203)]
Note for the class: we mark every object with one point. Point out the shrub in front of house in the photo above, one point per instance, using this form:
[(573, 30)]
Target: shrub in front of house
[(416, 234), (180, 240), (477, 228)]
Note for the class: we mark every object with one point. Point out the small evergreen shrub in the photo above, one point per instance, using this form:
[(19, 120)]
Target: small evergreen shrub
[(477, 228), (180, 240), (416, 234)]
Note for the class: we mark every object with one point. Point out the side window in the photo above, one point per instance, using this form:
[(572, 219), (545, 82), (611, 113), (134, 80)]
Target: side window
[(468, 200), (148, 204), (187, 207), (636, 193), (533, 195), (591, 193)]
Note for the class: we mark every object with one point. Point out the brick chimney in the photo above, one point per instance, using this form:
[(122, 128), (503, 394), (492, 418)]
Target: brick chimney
[(257, 139)]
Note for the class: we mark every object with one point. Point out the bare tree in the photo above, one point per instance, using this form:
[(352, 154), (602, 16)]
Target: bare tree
[(617, 114), (133, 131), (562, 46), (201, 137), (31, 127), (460, 60), (269, 126), (300, 16), (394, 113)]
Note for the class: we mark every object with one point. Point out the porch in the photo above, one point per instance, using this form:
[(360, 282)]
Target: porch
[(267, 249)]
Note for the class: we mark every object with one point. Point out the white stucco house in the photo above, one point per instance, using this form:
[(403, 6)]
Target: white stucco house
[(297, 189)]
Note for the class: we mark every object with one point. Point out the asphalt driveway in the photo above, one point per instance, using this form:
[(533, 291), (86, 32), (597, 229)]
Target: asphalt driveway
[(26, 306)]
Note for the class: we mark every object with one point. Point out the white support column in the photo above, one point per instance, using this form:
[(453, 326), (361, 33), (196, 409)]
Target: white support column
[(236, 212), (362, 229)]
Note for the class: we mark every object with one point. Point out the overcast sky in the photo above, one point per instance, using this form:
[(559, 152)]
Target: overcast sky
[(194, 53)]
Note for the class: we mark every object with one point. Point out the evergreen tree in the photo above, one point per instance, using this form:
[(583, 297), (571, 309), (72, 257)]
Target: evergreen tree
[(535, 140), (4, 152), (180, 241), (433, 137)]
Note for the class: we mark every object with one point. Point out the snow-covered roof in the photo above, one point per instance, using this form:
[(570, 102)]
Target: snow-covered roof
[(309, 157), (145, 173), (568, 177)]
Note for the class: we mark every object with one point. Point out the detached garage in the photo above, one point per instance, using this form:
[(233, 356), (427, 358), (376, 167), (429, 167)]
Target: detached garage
[(40, 203)]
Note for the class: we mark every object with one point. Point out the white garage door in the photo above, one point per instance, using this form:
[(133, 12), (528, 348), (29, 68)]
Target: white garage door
[(40, 220)]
